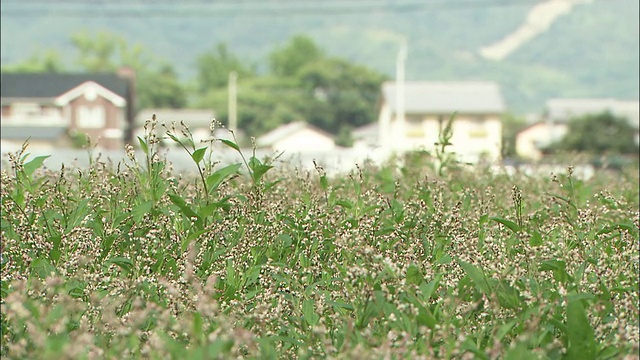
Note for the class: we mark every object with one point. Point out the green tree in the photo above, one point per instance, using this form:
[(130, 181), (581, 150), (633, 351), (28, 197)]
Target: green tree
[(340, 93), (161, 89), (303, 85), (511, 124), (214, 67), (344, 137), (598, 134), (264, 103), (157, 85), (49, 61), (297, 53), (98, 53)]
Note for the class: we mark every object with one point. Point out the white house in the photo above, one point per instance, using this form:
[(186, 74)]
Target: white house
[(297, 137), (415, 120), (553, 124)]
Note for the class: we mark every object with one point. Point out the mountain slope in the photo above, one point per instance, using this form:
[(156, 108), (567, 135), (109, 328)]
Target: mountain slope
[(591, 51)]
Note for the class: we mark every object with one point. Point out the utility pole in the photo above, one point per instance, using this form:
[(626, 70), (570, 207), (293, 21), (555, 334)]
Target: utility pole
[(233, 108), (400, 97)]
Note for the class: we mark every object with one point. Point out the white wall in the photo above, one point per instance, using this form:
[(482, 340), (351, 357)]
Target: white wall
[(532, 138), (473, 136), (304, 140)]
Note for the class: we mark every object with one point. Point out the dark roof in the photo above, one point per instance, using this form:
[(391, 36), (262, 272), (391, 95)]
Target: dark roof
[(50, 85), (34, 132)]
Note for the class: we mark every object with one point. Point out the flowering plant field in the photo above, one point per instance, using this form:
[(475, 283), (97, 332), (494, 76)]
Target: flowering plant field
[(248, 260)]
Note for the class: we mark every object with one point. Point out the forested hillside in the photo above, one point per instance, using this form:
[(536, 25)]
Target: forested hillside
[(592, 51)]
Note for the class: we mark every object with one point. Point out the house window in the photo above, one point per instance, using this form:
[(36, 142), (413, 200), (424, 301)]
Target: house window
[(414, 119), (477, 128), (90, 117), (25, 109), (414, 126)]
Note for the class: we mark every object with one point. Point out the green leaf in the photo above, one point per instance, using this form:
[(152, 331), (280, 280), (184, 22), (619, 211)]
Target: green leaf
[(552, 265), (230, 144), (339, 304), (426, 318), (508, 296), (182, 205), (231, 274), (345, 204), (470, 346), (107, 244), (184, 244), (608, 352), (197, 326), (77, 293), (444, 259), (508, 223), (198, 155), (214, 180), (414, 276), (42, 268), (310, 315), (505, 329), (78, 214), (581, 339), (125, 264), (55, 254), (520, 352), (324, 184), (558, 267), (34, 164), (207, 210), (267, 351), (143, 145), (427, 290), (271, 184), (535, 239), (173, 137), (477, 276), (138, 212), (258, 169), (628, 227)]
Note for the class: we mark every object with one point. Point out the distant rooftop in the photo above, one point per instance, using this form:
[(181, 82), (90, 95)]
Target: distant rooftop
[(562, 110), (283, 131), (446, 97), (51, 85), (370, 130)]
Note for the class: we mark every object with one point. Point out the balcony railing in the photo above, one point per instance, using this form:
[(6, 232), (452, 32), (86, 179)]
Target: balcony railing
[(33, 120)]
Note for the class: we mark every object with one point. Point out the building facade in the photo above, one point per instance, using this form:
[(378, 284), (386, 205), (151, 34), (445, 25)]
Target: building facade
[(51, 109), (413, 114)]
